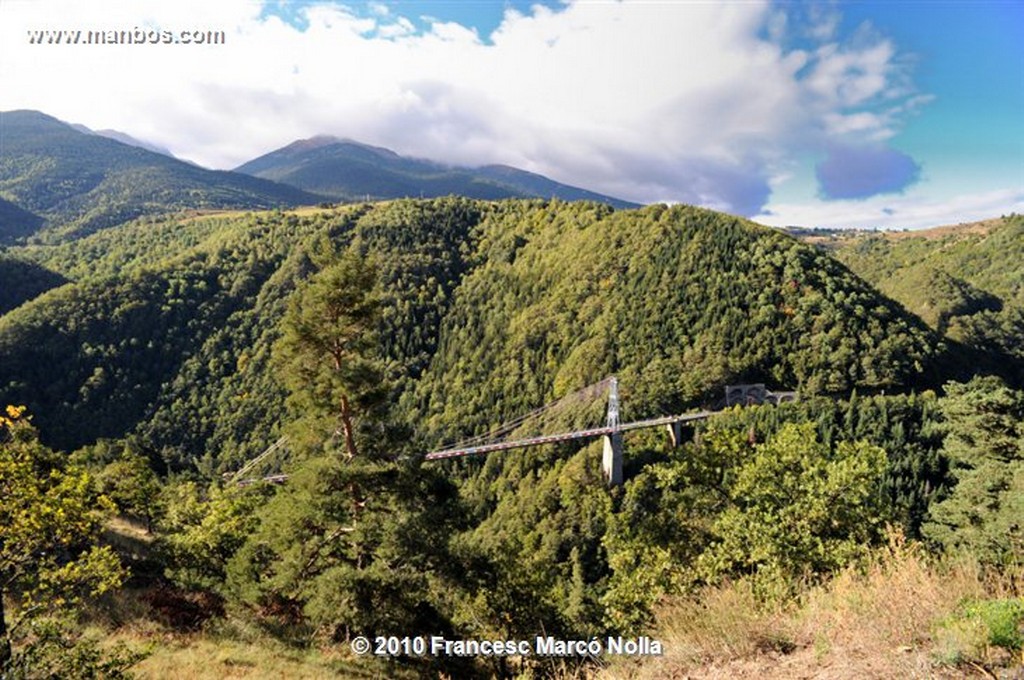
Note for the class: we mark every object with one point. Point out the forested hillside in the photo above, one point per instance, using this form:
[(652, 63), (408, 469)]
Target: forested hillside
[(492, 309), (966, 281), (157, 355), (72, 183), (16, 222)]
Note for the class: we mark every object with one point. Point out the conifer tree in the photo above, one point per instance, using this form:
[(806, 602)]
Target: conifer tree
[(328, 354), (985, 445), (354, 543)]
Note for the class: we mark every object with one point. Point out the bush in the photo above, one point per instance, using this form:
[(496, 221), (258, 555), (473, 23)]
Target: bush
[(999, 620)]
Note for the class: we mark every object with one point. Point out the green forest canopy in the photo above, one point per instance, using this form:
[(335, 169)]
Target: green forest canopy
[(178, 340)]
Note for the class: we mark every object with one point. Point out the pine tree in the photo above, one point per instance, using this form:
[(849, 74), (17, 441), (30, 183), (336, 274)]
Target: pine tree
[(328, 355), (352, 544), (985, 444)]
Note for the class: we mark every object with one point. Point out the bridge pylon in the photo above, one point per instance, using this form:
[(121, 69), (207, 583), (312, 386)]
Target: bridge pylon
[(611, 460)]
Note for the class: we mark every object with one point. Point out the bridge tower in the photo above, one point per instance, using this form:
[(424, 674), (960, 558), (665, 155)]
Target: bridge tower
[(611, 461)]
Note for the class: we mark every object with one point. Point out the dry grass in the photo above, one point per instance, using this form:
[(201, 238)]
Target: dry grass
[(223, 646), (714, 632), (726, 623), (895, 618), (883, 619), (201, 657), (232, 649)]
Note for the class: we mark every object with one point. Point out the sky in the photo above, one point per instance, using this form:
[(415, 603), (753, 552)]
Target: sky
[(826, 114)]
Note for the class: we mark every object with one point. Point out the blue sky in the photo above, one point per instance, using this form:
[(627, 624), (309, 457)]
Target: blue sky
[(484, 16), (873, 114), (969, 57)]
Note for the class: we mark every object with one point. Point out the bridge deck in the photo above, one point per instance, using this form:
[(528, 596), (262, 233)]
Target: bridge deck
[(566, 436)]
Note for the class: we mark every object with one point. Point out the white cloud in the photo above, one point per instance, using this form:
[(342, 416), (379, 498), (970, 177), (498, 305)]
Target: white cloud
[(823, 22), (643, 100), (400, 28), (915, 210)]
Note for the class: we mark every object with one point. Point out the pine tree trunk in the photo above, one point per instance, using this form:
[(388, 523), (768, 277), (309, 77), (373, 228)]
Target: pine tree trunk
[(346, 424)]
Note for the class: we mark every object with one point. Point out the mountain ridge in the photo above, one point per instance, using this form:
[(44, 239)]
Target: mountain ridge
[(347, 169), (81, 182), (124, 138)]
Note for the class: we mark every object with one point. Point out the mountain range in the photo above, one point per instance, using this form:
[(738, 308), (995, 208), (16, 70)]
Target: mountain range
[(61, 181), (124, 138), (349, 171), (153, 340)]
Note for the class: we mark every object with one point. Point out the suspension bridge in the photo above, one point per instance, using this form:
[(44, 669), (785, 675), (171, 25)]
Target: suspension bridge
[(573, 417), (512, 435)]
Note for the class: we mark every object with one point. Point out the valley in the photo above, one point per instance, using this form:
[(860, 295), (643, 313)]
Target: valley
[(162, 326)]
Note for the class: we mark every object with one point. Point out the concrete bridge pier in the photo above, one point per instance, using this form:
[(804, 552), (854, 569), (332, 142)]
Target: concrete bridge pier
[(611, 461), (675, 434), (680, 432)]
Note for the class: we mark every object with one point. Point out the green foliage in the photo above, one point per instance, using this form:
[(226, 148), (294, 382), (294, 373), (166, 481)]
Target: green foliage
[(966, 282), (725, 508), (937, 297), (125, 476), (352, 547), (327, 356), (985, 443), (22, 281), (15, 222), (797, 507), (201, 529), (540, 522), (182, 338), (979, 625), (487, 310), (421, 250), (57, 651), (1003, 618), (132, 345), (50, 517), (908, 427), (664, 523), (354, 544), (676, 301), (94, 374)]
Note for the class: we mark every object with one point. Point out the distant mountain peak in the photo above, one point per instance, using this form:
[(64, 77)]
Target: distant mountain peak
[(126, 138), (122, 137), (315, 142), (82, 181), (323, 141), (346, 169)]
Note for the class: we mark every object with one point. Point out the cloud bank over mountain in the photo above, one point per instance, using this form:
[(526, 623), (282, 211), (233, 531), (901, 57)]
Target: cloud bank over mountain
[(706, 103)]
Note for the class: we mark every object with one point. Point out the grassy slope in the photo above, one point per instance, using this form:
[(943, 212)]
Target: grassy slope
[(898, 617)]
